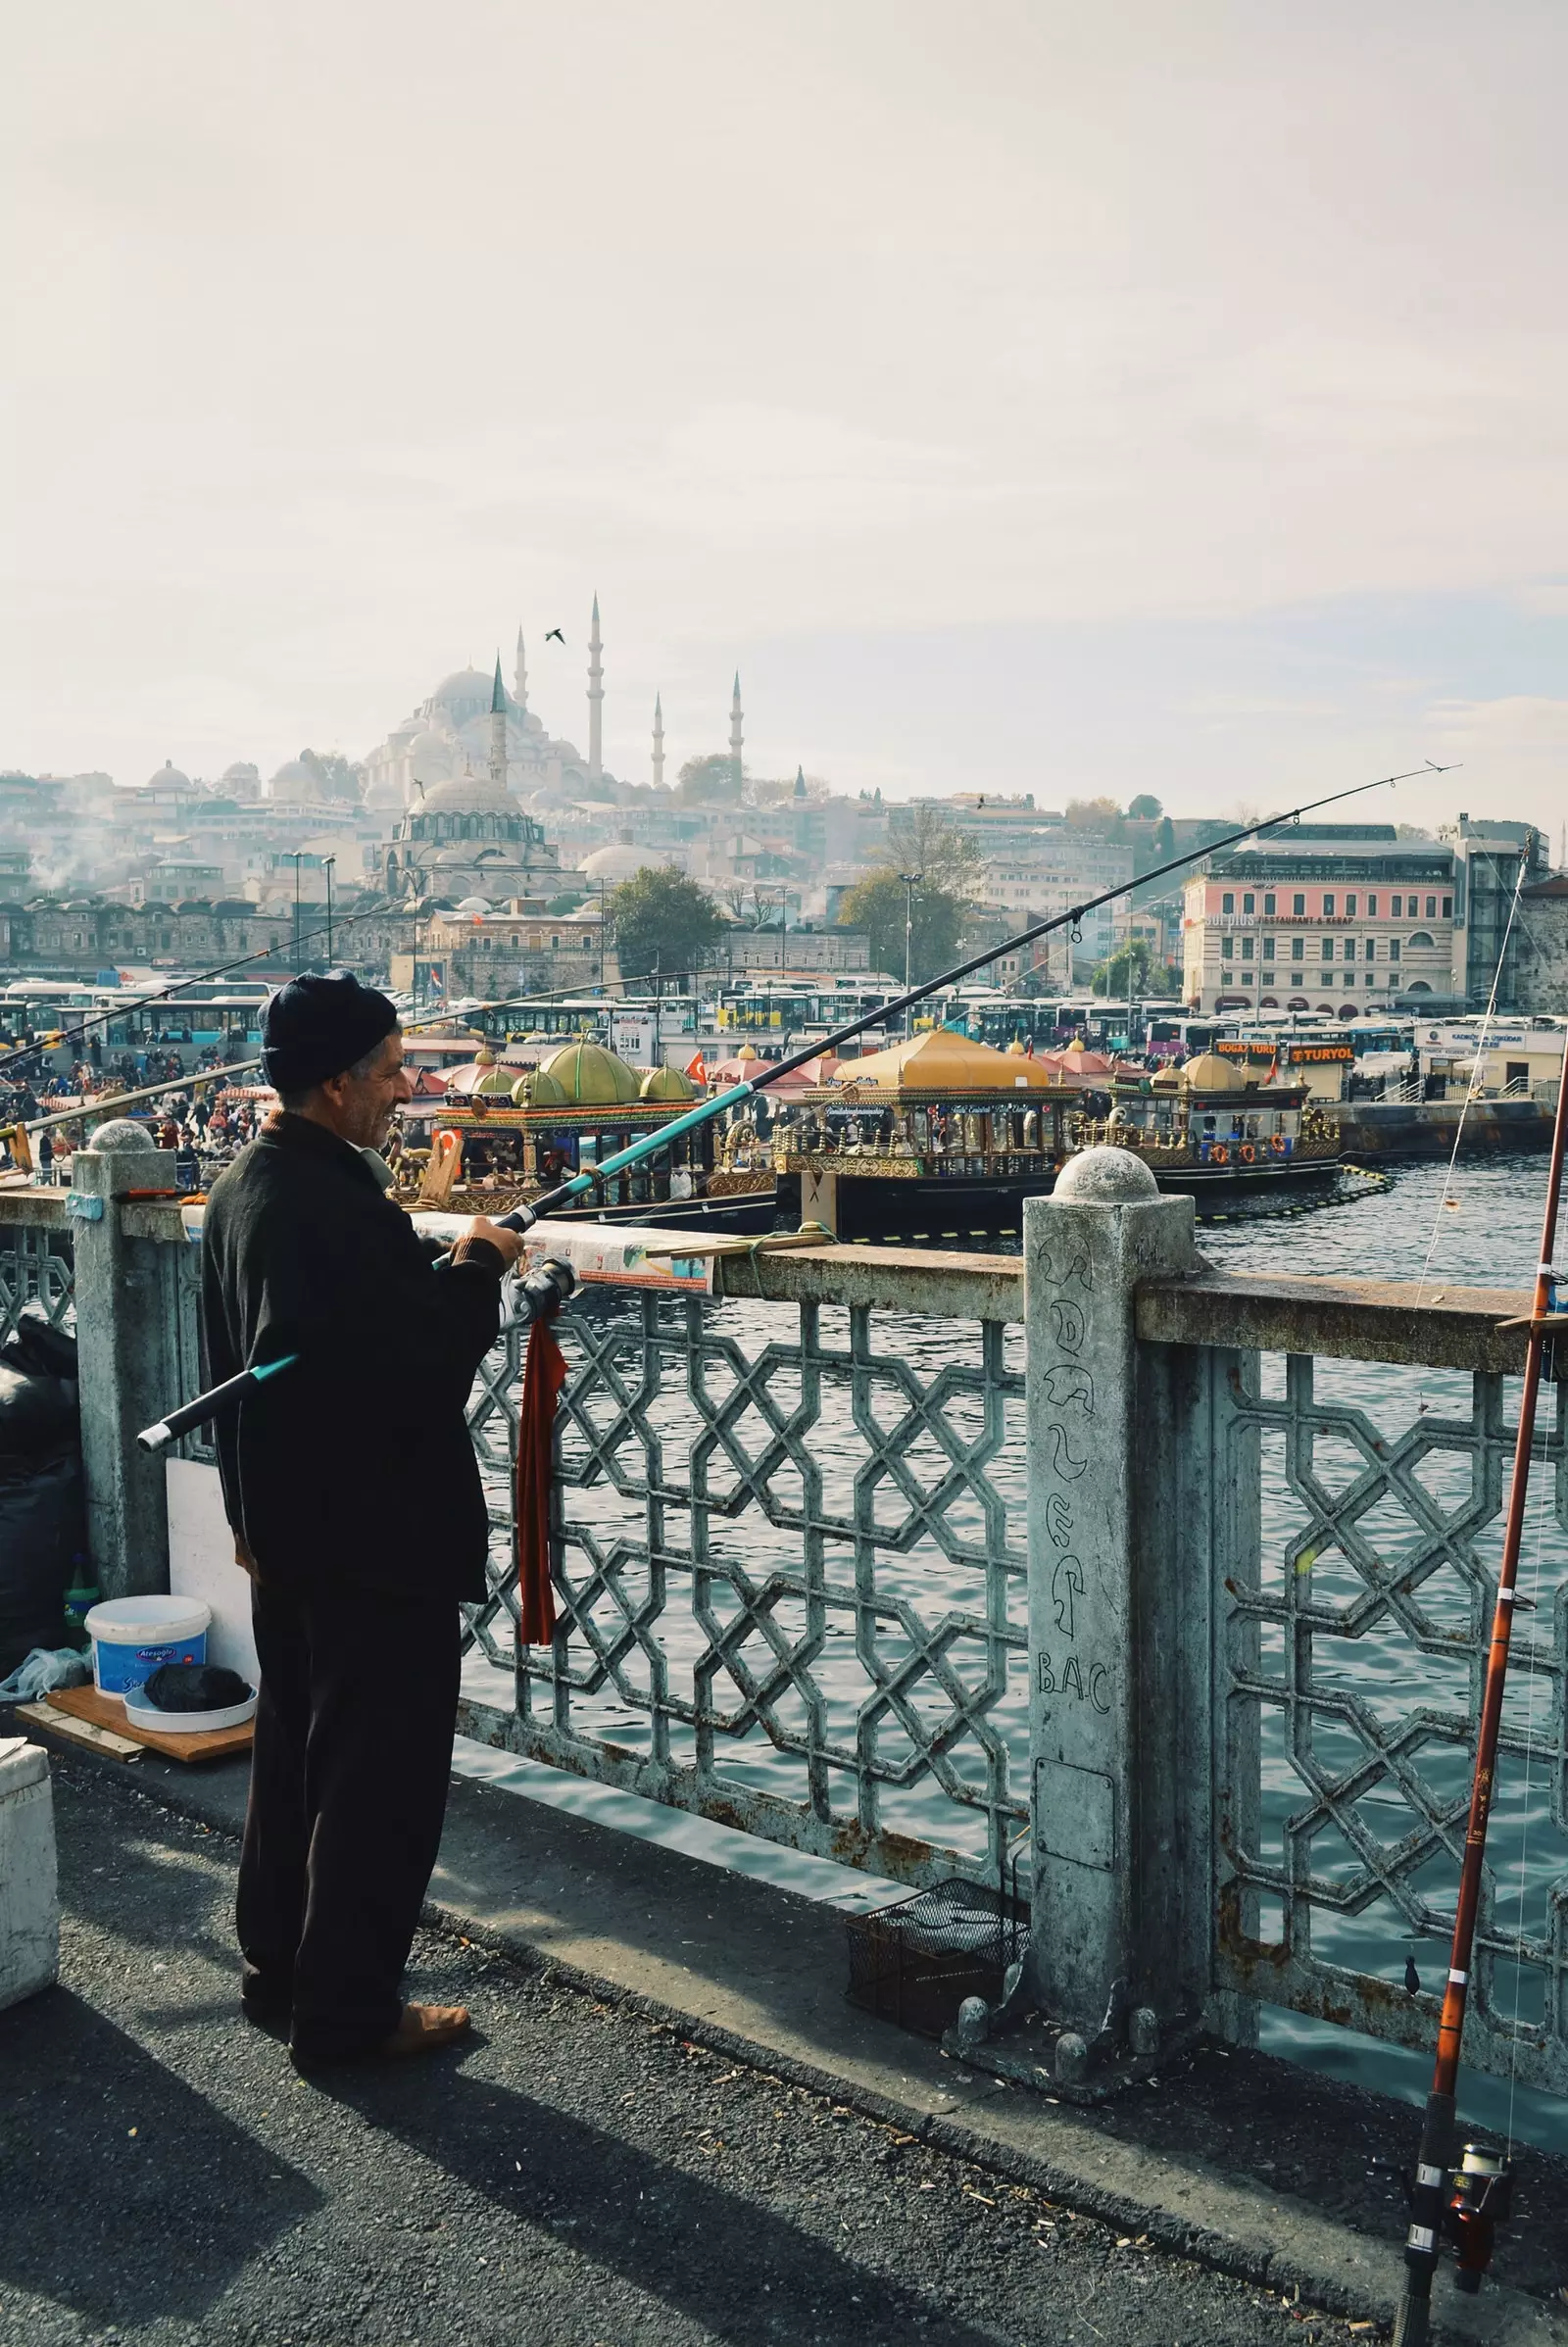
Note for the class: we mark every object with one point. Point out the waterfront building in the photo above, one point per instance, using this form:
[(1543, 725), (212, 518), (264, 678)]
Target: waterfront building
[(1322, 918), (1494, 862)]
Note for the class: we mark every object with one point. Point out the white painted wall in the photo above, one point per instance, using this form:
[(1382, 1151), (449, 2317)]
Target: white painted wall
[(201, 1564)]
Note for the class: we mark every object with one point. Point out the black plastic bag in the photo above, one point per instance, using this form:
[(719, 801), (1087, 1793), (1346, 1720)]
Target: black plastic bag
[(43, 1535)]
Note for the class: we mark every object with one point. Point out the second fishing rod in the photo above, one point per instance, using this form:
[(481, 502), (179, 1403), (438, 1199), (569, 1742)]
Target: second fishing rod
[(205, 1406)]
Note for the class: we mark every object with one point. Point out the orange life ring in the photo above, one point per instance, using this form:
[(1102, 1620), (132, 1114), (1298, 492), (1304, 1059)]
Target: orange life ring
[(1248, 1152), (1277, 1145), (1219, 1154)]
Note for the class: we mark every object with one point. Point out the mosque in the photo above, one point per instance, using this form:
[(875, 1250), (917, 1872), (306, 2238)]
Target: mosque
[(460, 827), (450, 735), (469, 836)]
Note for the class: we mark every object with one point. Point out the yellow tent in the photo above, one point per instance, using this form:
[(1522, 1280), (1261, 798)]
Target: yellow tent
[(938, 1061)]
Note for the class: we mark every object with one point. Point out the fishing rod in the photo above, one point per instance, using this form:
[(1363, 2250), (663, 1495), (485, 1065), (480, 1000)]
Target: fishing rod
[(204, 1406), (340, 921), (100, 1106), (522, 1218), (1469, 2203), (183, 986)]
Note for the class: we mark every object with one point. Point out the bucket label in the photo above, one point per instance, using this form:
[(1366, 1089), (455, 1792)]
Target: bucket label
[(119, 1669)]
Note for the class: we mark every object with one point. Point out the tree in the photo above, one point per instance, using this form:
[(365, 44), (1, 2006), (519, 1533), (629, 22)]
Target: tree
[(569, 903), (877, 906), (1145, 809), (710, 782), (923, 839), (1134, 970), (1094, 814), (1166, 840), (661, 917)]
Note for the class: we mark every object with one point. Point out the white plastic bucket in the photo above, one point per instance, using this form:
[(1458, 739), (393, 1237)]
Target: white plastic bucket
[(132, 1636)]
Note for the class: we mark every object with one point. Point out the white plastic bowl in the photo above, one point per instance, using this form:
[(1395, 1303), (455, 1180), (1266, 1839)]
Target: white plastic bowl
[(142, 1714)]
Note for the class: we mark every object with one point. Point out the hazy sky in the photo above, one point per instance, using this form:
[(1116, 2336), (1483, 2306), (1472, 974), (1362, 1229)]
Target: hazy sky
[(1022, 396)]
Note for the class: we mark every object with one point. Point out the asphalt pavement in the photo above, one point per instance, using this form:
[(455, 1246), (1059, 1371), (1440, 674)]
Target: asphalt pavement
[(581, 2175)]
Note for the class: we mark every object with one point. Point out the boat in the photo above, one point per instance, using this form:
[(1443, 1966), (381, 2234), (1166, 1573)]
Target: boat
[(943, 1136), (501, 1138)]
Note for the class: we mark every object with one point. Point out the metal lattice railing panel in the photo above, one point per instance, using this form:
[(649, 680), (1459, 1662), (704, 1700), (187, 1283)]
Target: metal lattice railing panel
[(1353, 1655), (789, 1572), (36, 1274), (189, 1369)]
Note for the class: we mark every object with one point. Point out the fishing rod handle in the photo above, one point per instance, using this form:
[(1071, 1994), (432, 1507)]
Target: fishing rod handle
[(207, 1406)]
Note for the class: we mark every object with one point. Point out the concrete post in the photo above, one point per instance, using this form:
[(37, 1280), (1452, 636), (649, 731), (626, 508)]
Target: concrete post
[(125, 1357), (1095, 1681)]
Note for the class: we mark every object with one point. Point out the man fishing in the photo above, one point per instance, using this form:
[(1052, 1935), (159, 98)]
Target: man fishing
[(354, 1493)]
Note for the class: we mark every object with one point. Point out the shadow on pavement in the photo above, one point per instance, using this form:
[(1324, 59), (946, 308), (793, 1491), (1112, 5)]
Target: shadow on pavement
[(682, 2239), (123, 2228)]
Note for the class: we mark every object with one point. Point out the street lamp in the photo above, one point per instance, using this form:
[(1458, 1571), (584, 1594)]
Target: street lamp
[(331, 861), (912, 881), (295, 855)]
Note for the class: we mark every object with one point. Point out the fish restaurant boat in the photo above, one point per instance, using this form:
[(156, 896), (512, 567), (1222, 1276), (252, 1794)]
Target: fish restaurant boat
[(502, 1135), (942, 1134)]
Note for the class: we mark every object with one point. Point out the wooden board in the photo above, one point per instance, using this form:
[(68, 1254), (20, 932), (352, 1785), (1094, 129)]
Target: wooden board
[(774, 1242), (108, 1712), (79, 1732)]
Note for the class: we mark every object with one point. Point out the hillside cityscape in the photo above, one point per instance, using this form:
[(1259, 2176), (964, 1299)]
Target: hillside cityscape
[(473, 853)]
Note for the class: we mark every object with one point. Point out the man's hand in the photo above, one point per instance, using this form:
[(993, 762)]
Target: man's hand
[(509, 1243)]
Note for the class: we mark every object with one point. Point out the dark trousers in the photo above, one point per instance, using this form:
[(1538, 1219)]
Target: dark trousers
[(348, 1789)]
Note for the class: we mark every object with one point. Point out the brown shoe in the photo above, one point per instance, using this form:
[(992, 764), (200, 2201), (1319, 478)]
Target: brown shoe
[(424, 2030)]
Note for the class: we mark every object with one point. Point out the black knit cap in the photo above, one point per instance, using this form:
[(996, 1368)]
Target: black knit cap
[(315, 1027)]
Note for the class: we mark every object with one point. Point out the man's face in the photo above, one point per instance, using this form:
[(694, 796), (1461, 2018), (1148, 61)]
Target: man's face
[(364, 1107)]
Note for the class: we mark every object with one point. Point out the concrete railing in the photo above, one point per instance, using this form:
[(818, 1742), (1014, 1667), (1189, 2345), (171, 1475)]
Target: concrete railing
[(1175, 1585)]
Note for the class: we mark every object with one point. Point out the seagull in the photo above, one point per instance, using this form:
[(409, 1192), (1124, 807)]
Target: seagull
[(553, 635)]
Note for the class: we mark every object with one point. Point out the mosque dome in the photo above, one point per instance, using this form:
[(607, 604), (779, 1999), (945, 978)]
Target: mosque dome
[(295, 779), (537, 1090), (169, 773), (462, 695), (619, 862), (1208, 1072), (668, 1084), (473, 905), (466, 794), (591, 1076)]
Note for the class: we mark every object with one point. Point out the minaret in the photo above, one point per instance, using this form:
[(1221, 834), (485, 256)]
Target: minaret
[(519, 683), (736, 767), (658, 742), (596, 700), (498, 731)]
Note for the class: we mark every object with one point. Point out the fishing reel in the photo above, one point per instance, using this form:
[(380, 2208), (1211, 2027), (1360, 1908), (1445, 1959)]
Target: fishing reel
[(1478, 2198), (540, 1293), (1480, 2201)]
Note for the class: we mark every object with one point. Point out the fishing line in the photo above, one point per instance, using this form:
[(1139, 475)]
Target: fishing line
[(1477, 1070), (1530, 1753)]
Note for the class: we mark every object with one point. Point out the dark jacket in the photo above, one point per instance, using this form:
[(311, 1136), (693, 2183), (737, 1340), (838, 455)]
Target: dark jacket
[(355, 1467)]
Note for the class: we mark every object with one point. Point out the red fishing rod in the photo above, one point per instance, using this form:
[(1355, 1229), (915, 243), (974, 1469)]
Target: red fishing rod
[(1467, 2206)]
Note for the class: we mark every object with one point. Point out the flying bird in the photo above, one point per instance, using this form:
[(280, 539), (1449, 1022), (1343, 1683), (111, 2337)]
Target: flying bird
[(553, 635)]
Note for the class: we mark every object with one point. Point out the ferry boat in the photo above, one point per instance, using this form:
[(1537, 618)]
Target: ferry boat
[(943, 1136)]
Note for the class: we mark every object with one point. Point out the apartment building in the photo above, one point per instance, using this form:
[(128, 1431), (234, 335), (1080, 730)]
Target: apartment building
[(1337, 918)]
